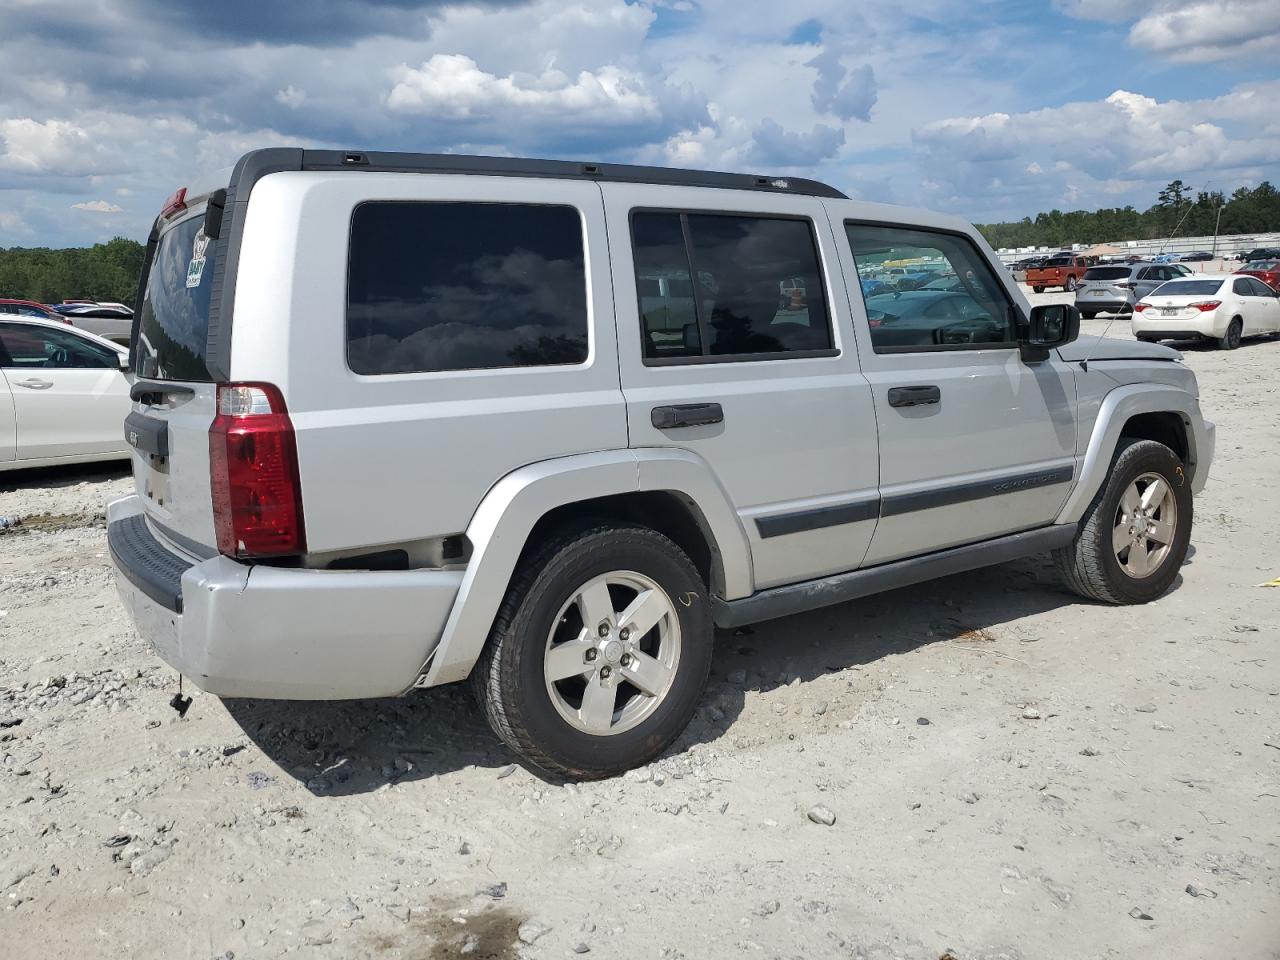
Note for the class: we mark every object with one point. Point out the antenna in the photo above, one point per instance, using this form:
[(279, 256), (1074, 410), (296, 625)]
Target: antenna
[(1084, 364)]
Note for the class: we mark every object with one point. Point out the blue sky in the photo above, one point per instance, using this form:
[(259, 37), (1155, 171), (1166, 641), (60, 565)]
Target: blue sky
[(993, 110)]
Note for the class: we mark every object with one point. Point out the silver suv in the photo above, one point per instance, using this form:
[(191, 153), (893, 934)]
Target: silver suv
[(1115, 288), (404, 420)]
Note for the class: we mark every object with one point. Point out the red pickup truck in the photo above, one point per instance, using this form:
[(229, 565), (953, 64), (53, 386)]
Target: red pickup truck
[(1066, 270)]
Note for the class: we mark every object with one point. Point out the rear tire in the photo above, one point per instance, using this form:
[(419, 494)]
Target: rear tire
[(1103, 561), (572, 596), (1037, 289), (1235, 330), (1088, 314), (1070, 285)]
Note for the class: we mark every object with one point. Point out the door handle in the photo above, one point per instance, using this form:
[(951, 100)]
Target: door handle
[(914, 396), (35, 384), (686, 415)]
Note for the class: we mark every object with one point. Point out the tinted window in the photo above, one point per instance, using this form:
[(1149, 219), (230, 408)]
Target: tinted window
[(1186, 288), (465, 286), (1260, 289), (977, 312), (740, 286), (175, 309), (1107, 273), (1242, 288), (28, 346)]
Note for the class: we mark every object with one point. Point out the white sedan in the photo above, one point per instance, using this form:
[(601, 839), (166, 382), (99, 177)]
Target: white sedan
[(1222, 307), (63, 395)]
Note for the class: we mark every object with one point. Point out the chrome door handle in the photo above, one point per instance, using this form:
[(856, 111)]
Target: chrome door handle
[(35, 384)]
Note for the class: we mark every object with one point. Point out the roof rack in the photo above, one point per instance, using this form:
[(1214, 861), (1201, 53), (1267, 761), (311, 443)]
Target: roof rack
[(258, 163)]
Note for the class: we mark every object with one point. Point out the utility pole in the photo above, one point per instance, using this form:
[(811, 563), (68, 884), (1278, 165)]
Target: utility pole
[(1217, 220)]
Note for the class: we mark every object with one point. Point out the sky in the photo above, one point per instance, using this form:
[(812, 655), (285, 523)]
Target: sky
[(991, 110)]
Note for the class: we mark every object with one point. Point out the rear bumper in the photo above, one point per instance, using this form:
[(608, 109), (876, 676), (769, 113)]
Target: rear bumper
[(237, 630), (1103, 306), (1162, 328)]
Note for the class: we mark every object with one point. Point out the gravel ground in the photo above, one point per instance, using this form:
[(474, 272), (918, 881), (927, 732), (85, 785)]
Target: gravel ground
[(982, 767)]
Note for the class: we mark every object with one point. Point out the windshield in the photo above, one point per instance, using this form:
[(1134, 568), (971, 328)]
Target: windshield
[(1187, 288), (175, 309), (1107, 273)]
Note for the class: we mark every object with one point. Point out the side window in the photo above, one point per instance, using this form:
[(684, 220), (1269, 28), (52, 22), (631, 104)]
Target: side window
[(728, 286), (1241, 288), (27, 346), (465, 286), (1260, 289), (910, 316)]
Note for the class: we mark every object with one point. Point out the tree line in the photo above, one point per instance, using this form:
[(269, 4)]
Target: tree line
[(1177, 212), (105, 271)]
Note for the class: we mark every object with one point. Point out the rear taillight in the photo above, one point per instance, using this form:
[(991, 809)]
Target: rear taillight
[(1204, 306), (253, 465), (1139, 307), (1123, 284)]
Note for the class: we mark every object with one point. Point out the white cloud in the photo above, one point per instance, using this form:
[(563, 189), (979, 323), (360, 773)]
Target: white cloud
[(453, 86), (291, 97), (1089, 148), (1192, 31), (53, 147), (98, 206)]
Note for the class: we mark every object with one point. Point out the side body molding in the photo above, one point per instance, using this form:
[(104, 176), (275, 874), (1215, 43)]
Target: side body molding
[(502, 523), (1115, 409)]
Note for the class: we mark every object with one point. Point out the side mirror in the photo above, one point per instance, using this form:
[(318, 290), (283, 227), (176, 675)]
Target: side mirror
[(1051, 325)]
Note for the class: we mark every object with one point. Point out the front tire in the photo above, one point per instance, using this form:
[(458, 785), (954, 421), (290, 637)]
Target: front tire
[(599, 653), (1133, 538), (1235, 331)]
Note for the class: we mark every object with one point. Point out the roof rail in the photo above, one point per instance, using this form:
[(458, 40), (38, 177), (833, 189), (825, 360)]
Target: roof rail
[(258, 163)]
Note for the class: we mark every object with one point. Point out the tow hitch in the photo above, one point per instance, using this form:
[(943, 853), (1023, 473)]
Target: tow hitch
[(179, 702)]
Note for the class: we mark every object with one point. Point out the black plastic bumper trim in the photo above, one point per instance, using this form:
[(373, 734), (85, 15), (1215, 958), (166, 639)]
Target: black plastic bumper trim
[(817, 518), (145, 562), (900, 503), (828, 591), (147, 434)]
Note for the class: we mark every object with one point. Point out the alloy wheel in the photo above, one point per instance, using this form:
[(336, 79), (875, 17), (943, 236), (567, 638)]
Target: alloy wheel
[(612, 653), (1144, 527)]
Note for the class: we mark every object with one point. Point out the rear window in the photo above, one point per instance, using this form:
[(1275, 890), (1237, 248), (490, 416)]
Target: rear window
[(175, 307), (1186, 288), (1058, 262), (435, 286), (1107, 273), (1263, 265)]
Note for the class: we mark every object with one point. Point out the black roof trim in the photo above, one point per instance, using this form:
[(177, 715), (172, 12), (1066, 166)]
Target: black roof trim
[(259, 163)]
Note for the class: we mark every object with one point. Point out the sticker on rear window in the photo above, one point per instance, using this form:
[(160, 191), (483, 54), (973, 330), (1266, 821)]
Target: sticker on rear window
[(195, 269)]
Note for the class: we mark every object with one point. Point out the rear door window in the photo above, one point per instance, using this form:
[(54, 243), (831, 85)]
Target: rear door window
[(174, 327), (437, 286), (728, 286)]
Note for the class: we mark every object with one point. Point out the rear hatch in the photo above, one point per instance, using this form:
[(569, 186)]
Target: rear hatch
[(174, 394), (1104, 284)]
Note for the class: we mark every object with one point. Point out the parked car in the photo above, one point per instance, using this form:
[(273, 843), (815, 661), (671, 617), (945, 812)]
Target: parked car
[(1195, 256), (1064, 270), (1222, 307), (63, 395), (1116, 289), (429, 437), (112, 321), (1261, 253), (29, 308), (1268, 271)]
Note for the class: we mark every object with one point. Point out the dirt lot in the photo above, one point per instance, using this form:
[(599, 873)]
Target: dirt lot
[(1013, 773)]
